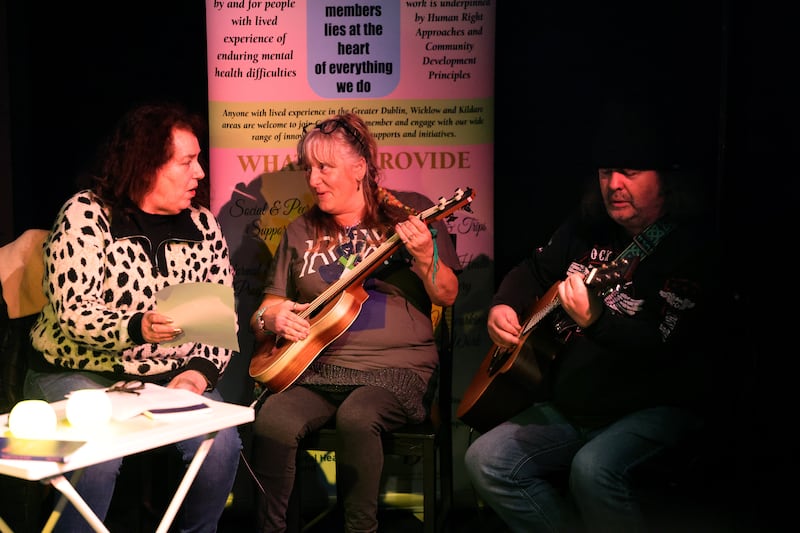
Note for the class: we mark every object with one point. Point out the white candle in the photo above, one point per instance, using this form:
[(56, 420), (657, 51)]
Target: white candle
[(87, 408)]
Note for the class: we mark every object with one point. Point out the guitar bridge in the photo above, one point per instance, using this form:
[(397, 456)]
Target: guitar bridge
[(499, 357)]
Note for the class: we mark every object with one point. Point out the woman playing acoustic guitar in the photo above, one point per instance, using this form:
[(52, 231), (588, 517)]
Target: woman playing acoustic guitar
[(372, 365)]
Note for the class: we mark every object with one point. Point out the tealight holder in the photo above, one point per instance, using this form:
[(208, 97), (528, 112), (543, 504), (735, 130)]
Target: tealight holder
[(32, 419)]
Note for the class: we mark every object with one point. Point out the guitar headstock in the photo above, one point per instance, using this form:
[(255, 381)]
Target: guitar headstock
[(612, 274), (444, 207)]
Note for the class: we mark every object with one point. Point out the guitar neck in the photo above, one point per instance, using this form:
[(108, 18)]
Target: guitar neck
[(386, 249), (539, 314), (597, 279)]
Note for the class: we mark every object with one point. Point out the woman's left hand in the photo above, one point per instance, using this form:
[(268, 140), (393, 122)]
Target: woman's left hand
[(416, 237), (440, 281), (157, 328)]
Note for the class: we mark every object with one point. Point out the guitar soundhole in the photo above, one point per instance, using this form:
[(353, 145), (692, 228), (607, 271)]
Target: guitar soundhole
[(499, 357)]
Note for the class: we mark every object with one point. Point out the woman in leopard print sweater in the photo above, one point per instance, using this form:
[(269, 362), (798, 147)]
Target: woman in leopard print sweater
[(139, 229)]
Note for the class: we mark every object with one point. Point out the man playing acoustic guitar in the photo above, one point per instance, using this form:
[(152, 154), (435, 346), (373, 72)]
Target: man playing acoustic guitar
[(345, 326), (625, 383)]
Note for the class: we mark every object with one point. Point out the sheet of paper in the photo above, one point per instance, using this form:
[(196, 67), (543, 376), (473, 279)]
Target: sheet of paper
[(125, 405), (204, 311)]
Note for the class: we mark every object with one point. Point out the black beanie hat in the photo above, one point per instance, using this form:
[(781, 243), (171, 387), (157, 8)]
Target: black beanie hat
[(643, 134)]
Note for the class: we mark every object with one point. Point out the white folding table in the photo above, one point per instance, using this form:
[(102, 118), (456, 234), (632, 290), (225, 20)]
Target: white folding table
[(118, 439)]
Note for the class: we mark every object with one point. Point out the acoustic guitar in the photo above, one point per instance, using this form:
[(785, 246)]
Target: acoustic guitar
[(510, 380), (277, 363)]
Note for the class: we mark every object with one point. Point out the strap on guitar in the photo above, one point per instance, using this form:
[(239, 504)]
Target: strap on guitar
[(645, 242)]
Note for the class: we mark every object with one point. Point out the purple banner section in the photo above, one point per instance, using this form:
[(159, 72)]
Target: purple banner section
[(353, 48)]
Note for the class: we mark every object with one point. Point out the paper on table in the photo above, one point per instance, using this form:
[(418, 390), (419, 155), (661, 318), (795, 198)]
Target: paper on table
[(125, 405), (204, 311)]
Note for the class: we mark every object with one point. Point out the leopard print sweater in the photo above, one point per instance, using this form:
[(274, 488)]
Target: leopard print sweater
[(98, 278)]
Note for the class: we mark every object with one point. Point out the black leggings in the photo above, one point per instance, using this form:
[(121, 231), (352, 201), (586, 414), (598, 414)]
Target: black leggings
[(285, 418)]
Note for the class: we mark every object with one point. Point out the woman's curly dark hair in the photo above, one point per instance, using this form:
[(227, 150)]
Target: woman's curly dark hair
[(139, 145)]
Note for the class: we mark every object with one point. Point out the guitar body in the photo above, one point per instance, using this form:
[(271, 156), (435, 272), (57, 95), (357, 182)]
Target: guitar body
[(508, 381), (278, 365), (506, 384)]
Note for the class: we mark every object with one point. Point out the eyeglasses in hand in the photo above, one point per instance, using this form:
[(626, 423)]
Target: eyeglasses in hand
[(132, 387)]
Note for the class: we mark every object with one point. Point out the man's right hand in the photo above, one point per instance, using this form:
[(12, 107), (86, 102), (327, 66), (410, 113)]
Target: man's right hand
[(503, 326)]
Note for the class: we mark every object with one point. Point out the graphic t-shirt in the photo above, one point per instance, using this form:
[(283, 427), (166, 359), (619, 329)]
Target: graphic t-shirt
[(393, 329)]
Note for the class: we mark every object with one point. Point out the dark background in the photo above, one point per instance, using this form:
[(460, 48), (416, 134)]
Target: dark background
[(68, 70)]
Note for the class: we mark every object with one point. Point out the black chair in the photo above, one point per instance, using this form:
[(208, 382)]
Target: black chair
[(429, 442)]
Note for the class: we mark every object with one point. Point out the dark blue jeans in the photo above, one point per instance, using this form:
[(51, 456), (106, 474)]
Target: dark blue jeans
[(512, 467), (205, 501)]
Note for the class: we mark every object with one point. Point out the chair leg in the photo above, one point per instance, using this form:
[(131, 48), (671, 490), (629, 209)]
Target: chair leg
[(293, 510), (429, 487), (445, 481)]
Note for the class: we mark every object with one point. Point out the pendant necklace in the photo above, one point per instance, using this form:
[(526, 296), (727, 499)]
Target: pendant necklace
[(350, 250)]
